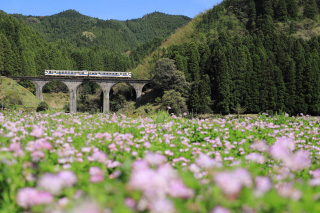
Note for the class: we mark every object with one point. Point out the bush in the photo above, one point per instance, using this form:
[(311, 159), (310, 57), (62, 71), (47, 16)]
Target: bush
[(12, 98), (174, 102), (66, 108), (43, 106)]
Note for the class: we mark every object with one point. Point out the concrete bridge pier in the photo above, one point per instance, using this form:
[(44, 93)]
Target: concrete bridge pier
[(39, 87), (106, 87), (72, 86), (138, 87)]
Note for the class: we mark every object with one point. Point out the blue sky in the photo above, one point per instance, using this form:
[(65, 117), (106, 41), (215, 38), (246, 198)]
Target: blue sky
[(108, 9)]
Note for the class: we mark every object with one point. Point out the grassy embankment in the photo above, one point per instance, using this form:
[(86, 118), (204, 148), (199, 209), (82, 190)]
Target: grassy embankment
[(14, 95)]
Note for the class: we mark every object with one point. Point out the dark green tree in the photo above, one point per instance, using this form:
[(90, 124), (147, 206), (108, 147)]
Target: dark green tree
[(310, 9), (223, 82), (252, 13), (281, 12), (167, 77), (174, 102), (292, 8)]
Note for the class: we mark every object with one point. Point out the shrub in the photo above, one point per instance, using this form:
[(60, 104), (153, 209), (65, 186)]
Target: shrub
[(174, 102), (43, 106), (66, 108), (12, 98)]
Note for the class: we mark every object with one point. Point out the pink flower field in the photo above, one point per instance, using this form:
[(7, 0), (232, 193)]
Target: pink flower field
[(85, 163)]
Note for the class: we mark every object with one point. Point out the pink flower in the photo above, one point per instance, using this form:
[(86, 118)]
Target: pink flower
[(256, 157), (282, 148), (63, 202), (316, 173), (43, 144), (162, 205), (232, 182), (87, 207), (96, 175), (86, 149), (263, 184), (142, 179), (51, 183), (112, 147), (260, 146), (204, 161), (178, 189), (105, 135), (314, 182), (155, 159), (15, 147), (130, 203), (287, 190), (37, 155), (169, 153), (113, 164), (220, 209), (28, 197), (68, 178), (100, 157), (36, 132), (299, 161)]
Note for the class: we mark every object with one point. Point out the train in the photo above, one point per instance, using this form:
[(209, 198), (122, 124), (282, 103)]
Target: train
[(86, 73)]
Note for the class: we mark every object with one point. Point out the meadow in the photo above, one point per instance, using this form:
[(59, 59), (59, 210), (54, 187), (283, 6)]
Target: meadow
[(57, 162)]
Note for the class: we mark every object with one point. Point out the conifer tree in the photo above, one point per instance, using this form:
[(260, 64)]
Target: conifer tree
[(205, 94), (9, 60), (1, 56), (182, 64), (194, 98), (265, 24), (252, 15), (280, 87), (268, 8), (318, 4), (299, 57), (281, 12), (310, 9), (289, 76), (194, 62), (223, 81), (311, 83), (292, 8)]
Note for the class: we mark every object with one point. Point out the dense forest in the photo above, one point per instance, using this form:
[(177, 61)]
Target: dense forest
[(240, 56), (113, 35), (252, 56), (69, 40)]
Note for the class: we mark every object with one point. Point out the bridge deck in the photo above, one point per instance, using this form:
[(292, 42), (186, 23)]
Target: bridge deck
[(80, 79)]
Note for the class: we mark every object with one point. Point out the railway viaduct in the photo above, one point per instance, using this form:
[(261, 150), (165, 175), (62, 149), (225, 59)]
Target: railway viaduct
[(74, 83)]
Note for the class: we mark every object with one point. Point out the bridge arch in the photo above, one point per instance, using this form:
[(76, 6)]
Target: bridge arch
[(74, 83), (120, 92), (89, 97), (57, 94)]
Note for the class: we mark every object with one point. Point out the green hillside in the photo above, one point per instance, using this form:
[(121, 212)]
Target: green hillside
[(121, 36), (25, 52), (13, 94), (70, 40), (249, 55)]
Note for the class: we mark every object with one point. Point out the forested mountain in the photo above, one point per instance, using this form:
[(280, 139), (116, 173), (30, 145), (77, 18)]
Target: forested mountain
[(113, 35), (250, 55), (25, 52), (69, 40)]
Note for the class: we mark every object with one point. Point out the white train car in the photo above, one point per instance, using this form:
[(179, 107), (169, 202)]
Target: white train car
[(66, 73), (109, 74), (85, 73)]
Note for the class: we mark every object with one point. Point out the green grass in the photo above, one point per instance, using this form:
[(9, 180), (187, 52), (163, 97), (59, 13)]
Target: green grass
[(13, 94)]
